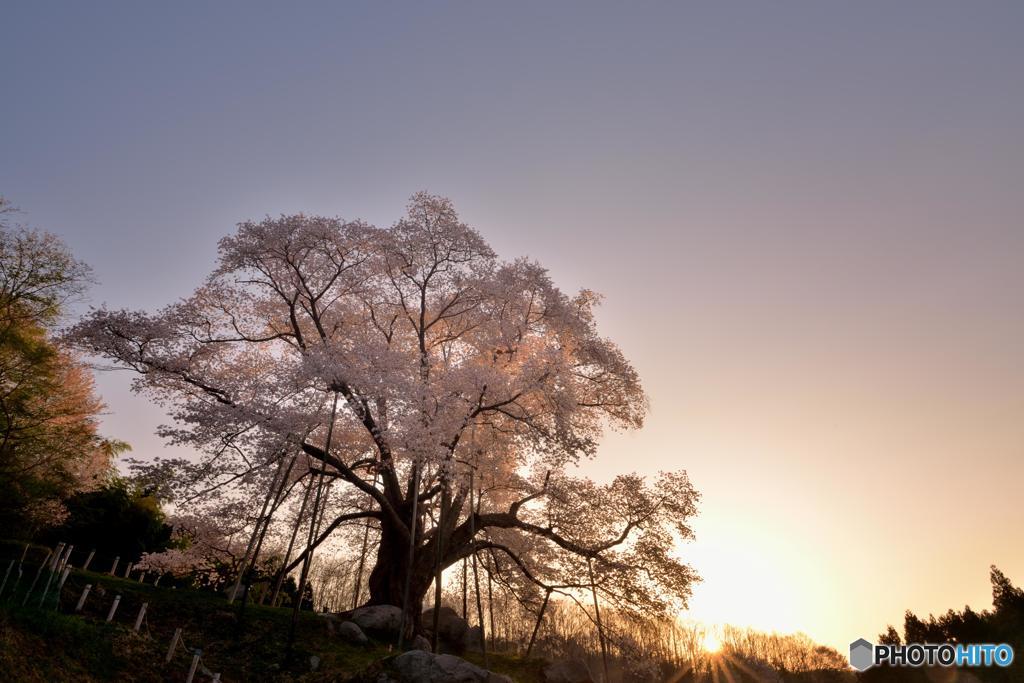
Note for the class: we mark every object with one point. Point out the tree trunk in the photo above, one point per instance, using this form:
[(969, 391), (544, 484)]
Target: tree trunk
[(386, 582)]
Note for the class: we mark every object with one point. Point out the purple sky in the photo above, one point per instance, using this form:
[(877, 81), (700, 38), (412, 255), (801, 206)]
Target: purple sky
[(806, 218)]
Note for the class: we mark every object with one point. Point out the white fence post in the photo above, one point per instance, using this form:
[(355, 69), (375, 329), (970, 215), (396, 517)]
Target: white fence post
[(85, 567), (113, 567), (39, 571), (128, 570), (67, 556), (6, 574), (55, 558), (174, 644), (138, 619), (195, 664), (81, 600), (113, 608), (63, 578)]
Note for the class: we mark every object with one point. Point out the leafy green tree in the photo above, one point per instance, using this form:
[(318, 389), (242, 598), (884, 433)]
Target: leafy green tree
[(49, 444), (118, 519)]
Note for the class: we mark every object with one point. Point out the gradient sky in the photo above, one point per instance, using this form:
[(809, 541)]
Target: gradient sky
[(806, 219)]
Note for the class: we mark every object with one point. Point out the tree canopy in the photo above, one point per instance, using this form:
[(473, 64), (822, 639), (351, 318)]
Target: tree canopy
[(49, 444), (401, 364)]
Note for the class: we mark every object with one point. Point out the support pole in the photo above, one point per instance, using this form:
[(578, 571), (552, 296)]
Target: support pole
[(60, 585), (490, 601), (536, 627), (85, 567), (138, 619), (81, 600), (275, 596), (174, 643), (6, 574), (465, 589), (113, 567), (196, 654), (255, 532), (113, 608), (362, 555), (67, 556), (476, 575), (39, 571), (436, 626), (312, 531), (412, 553), (597, 614)]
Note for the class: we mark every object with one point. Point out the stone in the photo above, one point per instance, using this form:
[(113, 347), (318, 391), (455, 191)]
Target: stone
[(568, 671), (420, 643), (417, 666), (451, 629), (350, 632), (378, 620)]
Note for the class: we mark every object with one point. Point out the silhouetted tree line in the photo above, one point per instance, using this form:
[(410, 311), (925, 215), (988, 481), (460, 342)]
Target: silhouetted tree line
[(1004, 623)]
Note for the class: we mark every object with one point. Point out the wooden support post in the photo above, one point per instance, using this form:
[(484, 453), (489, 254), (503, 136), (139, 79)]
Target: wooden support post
[(138, 619), (174, 643), (128, 569), (65, 557), (113, 567), (362, 556), (490, 602), (465, 590), (536, 627), (63, 578), (92, 553), (197, 653), (56, 556), (113, 608), (46, 588), (414, 522), (476, 576), (157, 582), (6, 574), (142, 577), (39, 571), (597, 614), (81, 600)]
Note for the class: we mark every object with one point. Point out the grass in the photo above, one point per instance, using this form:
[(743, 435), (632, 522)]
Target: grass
[(54, 643)]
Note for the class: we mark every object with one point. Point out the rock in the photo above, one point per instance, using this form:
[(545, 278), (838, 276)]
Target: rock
[(451, 629), (314, 663), (378, 620), (568, 671), (420, 643), (351, 633), (417, 666)]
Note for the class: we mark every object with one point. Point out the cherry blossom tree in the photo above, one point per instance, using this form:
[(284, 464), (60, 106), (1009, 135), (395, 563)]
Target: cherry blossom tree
[(401, 365)]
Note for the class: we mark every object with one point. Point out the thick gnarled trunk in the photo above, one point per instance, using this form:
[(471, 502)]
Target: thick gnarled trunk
[(386, 582)]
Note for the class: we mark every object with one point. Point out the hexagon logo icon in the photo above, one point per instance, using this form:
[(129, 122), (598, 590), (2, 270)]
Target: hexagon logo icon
[(862, 655)]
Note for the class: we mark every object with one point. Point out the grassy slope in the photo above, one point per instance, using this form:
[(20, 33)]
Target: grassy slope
[(51, 645)]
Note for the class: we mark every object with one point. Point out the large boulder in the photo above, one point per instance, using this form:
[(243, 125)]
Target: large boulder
[(350, 632), (568, 671), (451, 629), (417, 666), (382, 621)]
